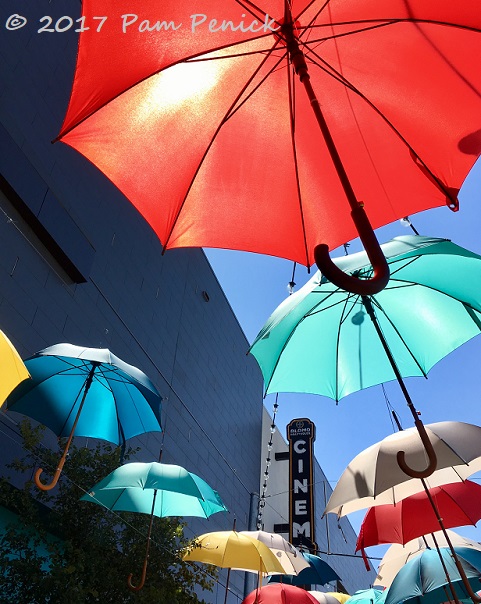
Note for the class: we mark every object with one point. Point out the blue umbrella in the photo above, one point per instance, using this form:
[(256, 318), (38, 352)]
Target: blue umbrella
[(318, 573), (89, 392), (367, 596), (423, 579)]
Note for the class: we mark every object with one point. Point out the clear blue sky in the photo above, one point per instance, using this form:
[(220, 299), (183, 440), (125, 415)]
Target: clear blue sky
[(256, 284)]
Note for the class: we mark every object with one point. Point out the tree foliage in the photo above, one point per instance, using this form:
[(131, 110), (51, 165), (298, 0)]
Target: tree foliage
[(66, 551)]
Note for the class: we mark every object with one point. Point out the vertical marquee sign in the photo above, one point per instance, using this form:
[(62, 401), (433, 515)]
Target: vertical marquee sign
[(301, 435)]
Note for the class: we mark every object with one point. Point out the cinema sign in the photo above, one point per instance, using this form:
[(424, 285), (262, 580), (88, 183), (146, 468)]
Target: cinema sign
[(301, 435)]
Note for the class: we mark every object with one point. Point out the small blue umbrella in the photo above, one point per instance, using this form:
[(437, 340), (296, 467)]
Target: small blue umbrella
[(318, 573), (423, 579), (89, 392), (367, 596)]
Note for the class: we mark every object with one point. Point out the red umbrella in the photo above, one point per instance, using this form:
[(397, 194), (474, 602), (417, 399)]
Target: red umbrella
[(267, 126), (459, 504), (276, 593)]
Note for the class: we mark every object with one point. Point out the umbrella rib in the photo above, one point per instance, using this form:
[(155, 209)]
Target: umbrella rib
[(323, 65), (379, 306), (344, 316), (195, 56), (229, 113), (291, 93)]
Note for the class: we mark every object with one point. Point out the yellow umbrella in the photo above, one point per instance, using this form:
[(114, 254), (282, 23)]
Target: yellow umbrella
[(230, 549), (12, 368)]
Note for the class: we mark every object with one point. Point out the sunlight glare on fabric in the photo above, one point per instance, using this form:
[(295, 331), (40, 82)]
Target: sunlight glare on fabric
[(171, 88)]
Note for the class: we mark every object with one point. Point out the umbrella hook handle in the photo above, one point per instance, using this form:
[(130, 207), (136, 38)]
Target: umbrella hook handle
[(58, 471), (432, 459), (362, 287), (138, 587)]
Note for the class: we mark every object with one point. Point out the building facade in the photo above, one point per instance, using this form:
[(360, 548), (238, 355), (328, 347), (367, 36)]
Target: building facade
[(78, 264)]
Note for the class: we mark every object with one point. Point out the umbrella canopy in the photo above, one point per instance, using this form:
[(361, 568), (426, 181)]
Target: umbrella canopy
[(349, 356), (121, 403), (423, 579), (230, 549), (327, 597), (131, 488), (374, 477), (459, 504), (291, 559), (397, 555), (318, 572), (12, 369), (279, 592), (164, 114), (89, 392), (367, 596)]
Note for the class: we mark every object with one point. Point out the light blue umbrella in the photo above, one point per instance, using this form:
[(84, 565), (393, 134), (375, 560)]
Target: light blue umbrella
[(133, 487), (159, 490), (319, 572), (325, 340), (423, 579), (86, 392), (367, 596)]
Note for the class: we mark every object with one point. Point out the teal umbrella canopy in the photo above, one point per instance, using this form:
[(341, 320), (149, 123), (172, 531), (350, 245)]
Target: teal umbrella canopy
[(423, 580), (368, 596), (131, 488), (321, 340), (121, 401)]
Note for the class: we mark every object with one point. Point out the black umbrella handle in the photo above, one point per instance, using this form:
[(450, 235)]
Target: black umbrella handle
[(362, 287)]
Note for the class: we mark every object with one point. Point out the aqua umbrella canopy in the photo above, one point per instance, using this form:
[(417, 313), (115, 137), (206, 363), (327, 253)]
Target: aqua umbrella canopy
[(367, 596), (423, 579), (131, 488), (159, 490), (325, 340), (87, 392)]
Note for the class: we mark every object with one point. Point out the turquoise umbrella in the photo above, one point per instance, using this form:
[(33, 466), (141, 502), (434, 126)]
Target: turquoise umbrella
[(86, 392), (131, 488), (324, 340), (367, 596), (159, 490), (423, 579)]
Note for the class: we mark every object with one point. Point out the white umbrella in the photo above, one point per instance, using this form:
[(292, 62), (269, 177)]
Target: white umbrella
[(374, 477), (397, 555), (290, 557)]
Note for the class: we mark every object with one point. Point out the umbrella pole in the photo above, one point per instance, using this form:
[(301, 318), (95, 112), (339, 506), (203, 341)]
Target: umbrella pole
[(366, 233), (432, 460), (61, 462), (138, 587), (458, 564), (227, 586), (443, 564)]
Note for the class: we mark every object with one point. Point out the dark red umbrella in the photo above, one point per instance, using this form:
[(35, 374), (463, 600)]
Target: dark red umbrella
[(267, 126), (458, 504), (279, 593)]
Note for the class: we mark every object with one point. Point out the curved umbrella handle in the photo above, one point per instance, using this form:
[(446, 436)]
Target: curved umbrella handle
[(362, 287), (51, 485), (138, 587), (433, 461)]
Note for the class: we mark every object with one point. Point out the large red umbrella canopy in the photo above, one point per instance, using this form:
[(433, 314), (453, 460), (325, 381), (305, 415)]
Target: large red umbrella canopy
[(458, 504), (279, 593), (193, 110)]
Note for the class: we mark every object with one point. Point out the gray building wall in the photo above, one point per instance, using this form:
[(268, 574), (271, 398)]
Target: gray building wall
[(149, 309)]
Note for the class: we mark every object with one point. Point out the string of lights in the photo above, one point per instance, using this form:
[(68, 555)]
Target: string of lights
[(263, 494)]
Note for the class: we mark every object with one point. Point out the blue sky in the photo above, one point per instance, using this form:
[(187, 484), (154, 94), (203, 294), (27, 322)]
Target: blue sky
[(256, 284)]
